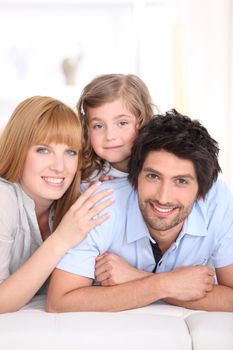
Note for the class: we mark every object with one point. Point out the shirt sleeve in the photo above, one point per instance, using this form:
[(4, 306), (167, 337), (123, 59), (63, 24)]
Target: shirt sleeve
[(80, 260), (223, 252), (8, 219)]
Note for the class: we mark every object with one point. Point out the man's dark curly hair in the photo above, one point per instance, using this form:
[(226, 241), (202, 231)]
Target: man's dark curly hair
[(185, 138)]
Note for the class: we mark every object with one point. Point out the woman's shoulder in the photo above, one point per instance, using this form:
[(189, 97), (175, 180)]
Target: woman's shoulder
[(9, 215), (8, 192)]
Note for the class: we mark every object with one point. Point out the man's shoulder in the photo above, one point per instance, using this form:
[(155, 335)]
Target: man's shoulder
[(121, 187), (219, 193), (122, 194), (217, 204)]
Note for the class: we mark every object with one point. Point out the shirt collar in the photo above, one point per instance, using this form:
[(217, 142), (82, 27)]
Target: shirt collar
[(135, 226), (28, 201), (194, 225)]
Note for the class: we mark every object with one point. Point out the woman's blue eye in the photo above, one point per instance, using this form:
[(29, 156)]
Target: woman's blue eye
[(71, 152), (42, 150)]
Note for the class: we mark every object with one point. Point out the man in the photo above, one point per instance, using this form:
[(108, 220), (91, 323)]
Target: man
[(174, 220)]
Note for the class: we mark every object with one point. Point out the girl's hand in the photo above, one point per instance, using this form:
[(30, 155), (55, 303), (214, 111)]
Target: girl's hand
[(107, 178), (104, 178), (111, 269), (83, 216)]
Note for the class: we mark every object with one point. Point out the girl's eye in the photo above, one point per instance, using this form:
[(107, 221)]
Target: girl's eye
[(43, 150), (97, 126), (123, 123), (71, 152)]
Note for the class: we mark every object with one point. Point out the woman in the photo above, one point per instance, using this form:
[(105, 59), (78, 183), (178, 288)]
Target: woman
[(41, 217)]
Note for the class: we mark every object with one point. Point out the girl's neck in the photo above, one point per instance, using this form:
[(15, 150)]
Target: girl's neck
[(121, 166)]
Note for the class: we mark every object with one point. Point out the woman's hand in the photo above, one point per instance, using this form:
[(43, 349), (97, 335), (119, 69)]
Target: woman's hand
[(111, 269), (83, 216)]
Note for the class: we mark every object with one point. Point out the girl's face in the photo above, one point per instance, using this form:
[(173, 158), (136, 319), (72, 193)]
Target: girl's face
[(113, 129), (48, 172)]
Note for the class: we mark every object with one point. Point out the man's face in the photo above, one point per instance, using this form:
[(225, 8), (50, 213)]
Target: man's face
[(167, 189)]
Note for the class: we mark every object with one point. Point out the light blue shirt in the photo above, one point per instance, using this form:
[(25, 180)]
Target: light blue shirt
[(207, 234)]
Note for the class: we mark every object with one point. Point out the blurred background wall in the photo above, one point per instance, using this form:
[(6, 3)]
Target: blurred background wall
[(182, 49)]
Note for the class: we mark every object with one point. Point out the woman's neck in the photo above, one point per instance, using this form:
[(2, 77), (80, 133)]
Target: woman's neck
[(43, 223)]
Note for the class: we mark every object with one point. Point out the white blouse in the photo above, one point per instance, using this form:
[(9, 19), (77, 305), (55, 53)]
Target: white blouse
[(19, 231)]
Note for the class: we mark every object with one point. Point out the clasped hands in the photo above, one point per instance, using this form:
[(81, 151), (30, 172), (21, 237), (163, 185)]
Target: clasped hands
[(184, 283)]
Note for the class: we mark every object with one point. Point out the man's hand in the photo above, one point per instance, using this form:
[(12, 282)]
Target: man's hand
[(111, 269), (220, 298), (189, 283)]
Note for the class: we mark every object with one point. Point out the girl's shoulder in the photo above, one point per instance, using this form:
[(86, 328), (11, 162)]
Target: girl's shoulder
[(107, 173), (115, 173)]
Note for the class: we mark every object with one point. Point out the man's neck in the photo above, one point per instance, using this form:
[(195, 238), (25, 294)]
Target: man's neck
[(165, 238)]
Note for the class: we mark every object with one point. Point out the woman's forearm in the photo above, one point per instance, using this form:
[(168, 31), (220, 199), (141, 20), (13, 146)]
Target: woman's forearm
[(22, 285)]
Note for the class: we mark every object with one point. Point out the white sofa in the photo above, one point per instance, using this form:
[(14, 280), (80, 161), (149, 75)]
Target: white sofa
[(157, 326)]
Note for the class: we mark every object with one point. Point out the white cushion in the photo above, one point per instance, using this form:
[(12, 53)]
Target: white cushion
[(211, 330), (158, 326)]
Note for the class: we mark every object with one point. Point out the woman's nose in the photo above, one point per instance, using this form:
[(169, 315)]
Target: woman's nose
[(58, 163)]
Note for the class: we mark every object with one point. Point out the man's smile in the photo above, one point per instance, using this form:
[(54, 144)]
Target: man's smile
[(162, 210)]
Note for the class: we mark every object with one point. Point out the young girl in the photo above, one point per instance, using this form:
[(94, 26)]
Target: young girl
[(112, 108), (41, 217)]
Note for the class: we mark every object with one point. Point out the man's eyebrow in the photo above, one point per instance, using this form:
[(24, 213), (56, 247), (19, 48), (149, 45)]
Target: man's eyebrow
[(186, 176), (151, 170)]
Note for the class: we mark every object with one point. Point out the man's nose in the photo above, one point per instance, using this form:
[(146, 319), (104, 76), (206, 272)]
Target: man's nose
[(164, 194)]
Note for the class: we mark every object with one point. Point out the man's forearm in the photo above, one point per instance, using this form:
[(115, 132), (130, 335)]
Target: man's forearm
[(114, 298), (66, 294), (219, 299)]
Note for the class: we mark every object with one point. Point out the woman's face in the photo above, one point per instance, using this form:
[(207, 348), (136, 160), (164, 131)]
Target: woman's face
[(48, 172)]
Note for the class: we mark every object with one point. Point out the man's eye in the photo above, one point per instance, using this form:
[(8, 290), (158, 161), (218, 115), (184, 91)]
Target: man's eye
[(181, 181), (42, 150), (152, 176)]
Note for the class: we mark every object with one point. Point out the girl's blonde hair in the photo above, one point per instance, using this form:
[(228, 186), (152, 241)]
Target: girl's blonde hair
[(36, 120), (107, 88)]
